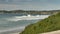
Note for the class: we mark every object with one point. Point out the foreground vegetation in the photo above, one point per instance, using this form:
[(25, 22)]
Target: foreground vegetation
[(52, 23)]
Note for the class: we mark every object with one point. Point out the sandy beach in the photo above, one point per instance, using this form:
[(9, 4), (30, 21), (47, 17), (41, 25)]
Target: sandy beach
[(53, 32)]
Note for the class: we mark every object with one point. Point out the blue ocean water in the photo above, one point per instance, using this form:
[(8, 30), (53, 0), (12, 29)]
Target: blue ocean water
[(9, 22), (6, 23)]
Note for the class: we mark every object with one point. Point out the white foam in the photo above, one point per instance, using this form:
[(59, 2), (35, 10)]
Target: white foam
[(17, 18)]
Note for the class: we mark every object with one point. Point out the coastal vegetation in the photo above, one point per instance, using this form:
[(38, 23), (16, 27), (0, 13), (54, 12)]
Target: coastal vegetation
[(52, 23)]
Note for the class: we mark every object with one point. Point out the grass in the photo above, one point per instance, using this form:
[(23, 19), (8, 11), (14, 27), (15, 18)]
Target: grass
[(52, 23)]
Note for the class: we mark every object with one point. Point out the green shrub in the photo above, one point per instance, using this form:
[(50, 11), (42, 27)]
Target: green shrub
[(52, 23)]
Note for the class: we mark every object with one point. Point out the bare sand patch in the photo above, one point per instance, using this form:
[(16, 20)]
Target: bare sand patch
[(53, 32)]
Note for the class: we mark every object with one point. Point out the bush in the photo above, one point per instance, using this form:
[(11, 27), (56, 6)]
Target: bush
[(52, 23)]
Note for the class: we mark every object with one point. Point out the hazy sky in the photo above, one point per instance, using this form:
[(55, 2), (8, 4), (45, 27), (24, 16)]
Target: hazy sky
[(29, 4)]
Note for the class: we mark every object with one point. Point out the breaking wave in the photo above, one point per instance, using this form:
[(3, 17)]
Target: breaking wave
[(17, 18)]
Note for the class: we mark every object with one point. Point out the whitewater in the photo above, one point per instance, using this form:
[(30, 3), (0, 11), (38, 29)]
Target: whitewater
[(16, 24)]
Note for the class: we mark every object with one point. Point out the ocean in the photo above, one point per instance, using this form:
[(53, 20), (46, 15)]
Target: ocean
[(13, 23)]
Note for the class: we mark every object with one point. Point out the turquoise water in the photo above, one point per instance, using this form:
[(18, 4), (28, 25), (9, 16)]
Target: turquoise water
[(9, 22)]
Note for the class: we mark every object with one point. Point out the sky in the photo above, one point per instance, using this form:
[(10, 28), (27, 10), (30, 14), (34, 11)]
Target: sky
[(29, 4)]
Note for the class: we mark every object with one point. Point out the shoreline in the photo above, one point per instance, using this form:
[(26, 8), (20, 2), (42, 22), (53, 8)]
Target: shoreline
[(12, 31)]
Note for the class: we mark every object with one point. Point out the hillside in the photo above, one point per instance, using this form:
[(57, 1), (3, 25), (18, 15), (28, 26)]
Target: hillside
[(52, 23)]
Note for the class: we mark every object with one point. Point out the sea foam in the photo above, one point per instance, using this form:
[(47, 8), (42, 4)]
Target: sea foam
[(17, 18)]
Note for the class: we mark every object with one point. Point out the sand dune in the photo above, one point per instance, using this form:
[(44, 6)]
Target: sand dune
[(53, 32)]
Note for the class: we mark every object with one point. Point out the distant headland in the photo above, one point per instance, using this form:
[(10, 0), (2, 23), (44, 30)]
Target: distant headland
[(29, 12)]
